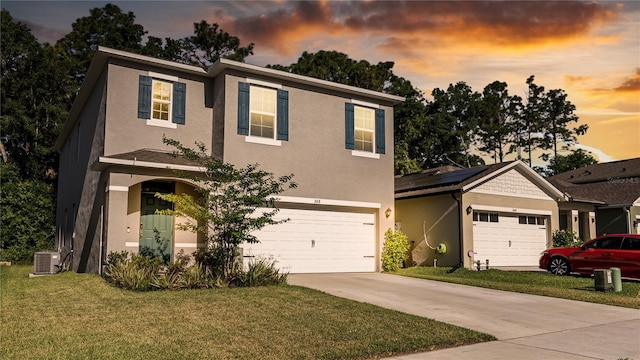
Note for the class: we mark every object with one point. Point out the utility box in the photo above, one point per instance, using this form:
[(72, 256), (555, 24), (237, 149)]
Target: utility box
[(603, 280)]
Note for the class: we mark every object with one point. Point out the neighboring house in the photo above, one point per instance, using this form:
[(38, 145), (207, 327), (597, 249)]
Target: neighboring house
[(337, 140), (505, 213), (603, 198)]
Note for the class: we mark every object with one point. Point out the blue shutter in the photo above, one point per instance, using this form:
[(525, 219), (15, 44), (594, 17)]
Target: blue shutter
[(380, 131), (179, 100), (144, 97), (349, 130), (283, 115), (243, 108)]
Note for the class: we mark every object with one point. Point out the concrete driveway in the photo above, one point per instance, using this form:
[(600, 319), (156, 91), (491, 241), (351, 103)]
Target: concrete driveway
[(527, 326)]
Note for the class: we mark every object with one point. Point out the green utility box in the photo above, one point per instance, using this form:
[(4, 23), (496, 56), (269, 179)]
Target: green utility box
[(603, 280)]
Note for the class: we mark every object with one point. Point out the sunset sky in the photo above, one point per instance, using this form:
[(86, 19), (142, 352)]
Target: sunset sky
[(589, 49)]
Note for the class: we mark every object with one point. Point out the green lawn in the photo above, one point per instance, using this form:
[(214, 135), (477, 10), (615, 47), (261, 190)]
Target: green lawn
[(537, 283), (80, 316)]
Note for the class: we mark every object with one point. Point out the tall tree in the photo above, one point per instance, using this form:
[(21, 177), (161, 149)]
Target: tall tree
[(106, 26), (34, 99), (498, 116), (560, 113), (532, 120), (453, 116), (210, 43)]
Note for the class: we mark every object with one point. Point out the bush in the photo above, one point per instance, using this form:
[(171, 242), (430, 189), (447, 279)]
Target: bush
[(260, 273), (135, 273), (566, 238), (395, 250), (27, 219)]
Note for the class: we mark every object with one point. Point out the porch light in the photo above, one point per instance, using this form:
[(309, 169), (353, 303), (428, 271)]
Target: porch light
[(387, 212), (469, 210)]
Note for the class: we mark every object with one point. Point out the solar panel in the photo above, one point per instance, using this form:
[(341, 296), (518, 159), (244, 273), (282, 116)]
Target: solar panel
[(423, 181)]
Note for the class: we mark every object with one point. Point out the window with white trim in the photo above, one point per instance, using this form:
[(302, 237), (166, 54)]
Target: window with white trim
[(161, 100), (262, 119), (364, 129)]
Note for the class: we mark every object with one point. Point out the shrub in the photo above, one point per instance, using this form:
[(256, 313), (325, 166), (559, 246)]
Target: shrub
[(259, 273), (395, 250), (135, 273), (566, 238)]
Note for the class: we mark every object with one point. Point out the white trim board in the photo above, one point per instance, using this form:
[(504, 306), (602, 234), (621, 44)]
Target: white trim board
[(333, 202), (147, 164), (503, 209)]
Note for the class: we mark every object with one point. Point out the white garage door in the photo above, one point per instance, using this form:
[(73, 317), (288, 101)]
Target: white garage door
[(508, 240), (315, 241)]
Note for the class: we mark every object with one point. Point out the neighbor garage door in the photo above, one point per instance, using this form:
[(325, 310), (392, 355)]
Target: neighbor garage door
[(315, 241), (508, 240)]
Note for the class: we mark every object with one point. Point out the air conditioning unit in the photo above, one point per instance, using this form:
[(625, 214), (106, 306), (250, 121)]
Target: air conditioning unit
[(45, 262)]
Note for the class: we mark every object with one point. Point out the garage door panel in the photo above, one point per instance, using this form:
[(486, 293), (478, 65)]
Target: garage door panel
[(318, 241), (508, 242)]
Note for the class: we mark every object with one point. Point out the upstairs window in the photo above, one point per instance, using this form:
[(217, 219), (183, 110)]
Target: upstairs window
[(263, 112), (161, 100), (364, 129)]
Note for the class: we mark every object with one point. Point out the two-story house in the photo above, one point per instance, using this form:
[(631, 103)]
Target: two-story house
[(337, 140)]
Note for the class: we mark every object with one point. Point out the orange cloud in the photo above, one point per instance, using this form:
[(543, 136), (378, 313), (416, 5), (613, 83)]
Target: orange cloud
[(630, 85), (505, 24)]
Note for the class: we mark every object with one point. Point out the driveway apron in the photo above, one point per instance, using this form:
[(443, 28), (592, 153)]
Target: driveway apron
[(526, 326)]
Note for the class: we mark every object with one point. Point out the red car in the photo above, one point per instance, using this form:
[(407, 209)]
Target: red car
[(604, 252)]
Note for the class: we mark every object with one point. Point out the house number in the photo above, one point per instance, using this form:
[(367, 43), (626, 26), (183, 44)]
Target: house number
[(317, 201)]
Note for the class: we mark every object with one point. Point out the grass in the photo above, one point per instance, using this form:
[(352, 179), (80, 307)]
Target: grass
[(80, 316), (537, 283)]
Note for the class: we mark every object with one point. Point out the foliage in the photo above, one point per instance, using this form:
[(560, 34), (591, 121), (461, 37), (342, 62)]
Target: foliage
[(106, 26), (497, 121), (34, 100), (260, 273), (210, 43), (452, 121), (395, 250), (135, 273), (27, 216), (233, 204), (566, 238), (563, 163)]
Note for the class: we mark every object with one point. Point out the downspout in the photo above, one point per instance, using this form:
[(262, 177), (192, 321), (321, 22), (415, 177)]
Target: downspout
[(101, 240), (628, 220), (460, 237)]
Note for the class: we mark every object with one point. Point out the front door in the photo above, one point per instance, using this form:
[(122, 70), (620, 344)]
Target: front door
[(156, 231)]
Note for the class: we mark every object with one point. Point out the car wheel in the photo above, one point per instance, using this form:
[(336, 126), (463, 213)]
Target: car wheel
[(559, 266)]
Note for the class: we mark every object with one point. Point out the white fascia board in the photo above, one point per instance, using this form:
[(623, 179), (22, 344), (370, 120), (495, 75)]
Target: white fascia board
[(538, 180), (332, 202), (503, 209), (147, 164)]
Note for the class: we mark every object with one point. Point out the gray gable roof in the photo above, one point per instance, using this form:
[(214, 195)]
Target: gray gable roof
[(450, 180), (612, 183)]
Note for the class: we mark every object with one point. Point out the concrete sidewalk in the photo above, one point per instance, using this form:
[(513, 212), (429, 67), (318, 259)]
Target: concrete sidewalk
[(527, 326)]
